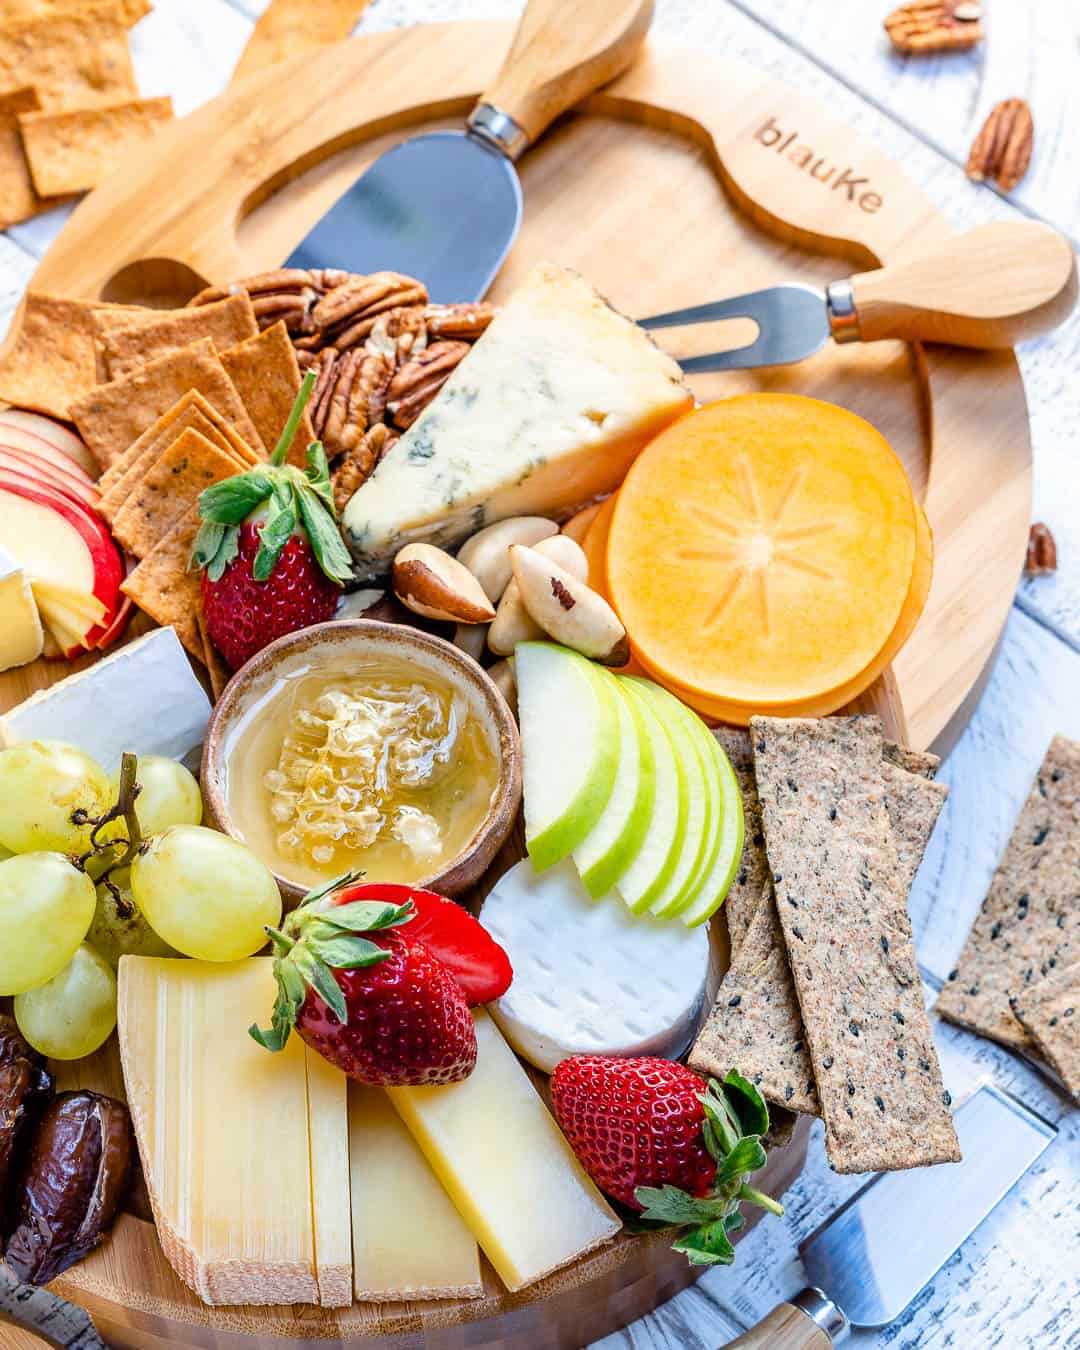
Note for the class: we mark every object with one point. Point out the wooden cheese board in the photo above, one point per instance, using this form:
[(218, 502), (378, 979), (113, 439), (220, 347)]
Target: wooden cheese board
[(687, 179)]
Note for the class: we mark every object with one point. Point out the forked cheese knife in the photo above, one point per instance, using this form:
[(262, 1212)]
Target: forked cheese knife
[(445, 206), (991, 287), (864, 1266)]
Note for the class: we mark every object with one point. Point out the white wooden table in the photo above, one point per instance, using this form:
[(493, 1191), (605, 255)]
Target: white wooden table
[(1016, 1283)]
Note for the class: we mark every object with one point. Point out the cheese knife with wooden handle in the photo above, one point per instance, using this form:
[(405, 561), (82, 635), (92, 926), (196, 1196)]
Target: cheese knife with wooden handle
[(875, 1254)]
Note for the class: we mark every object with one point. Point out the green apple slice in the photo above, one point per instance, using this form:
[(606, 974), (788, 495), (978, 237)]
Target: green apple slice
[(655, 861), (714, 836), (702, 797), (570, 745), (614, 842), (713, 890)]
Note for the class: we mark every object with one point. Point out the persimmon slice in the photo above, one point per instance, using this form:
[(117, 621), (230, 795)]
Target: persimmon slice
[(595, 545), (762, 550)]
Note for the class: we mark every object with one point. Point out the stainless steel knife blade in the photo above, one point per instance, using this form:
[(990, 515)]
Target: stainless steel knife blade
[(444, 207), (893, 1236)]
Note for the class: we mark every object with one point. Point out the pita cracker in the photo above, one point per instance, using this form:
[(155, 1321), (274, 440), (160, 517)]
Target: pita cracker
[(267, 378), (74, 57), (169, 490), (1029, 922), (128, 346), (110, 417), (75, 150), (1049, 1011), (838, 881), (163, 587), (287, 27), (18, 200)]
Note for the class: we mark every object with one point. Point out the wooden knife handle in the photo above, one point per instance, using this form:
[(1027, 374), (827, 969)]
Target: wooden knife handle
[(991, 287), (564, 50), (785, 1328)]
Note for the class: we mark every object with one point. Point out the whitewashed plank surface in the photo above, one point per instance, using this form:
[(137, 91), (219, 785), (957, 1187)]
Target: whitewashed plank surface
[(1014, 1284)]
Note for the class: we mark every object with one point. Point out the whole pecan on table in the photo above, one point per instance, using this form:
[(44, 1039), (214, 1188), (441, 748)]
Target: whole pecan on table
[(1002, 149), (935, 26), (1041, 551)]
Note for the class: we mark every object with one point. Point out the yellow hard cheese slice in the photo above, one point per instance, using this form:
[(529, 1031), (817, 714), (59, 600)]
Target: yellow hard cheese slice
[(762, 551), (496, 1149), (328, 1134)]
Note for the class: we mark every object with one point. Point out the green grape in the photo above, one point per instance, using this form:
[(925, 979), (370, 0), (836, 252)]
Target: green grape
[(205, 894), (42, 785), (119, 927), (46, 905), (169, 795), (75, 1012)]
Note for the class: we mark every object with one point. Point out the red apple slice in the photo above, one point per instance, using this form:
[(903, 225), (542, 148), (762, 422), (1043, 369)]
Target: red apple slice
[(35, 467), (60, 437), (116, 628)]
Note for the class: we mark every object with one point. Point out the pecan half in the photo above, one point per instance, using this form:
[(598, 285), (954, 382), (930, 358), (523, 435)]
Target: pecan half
[(400, 333), (356, 467), (1002, 149), (466, 321), (420, 379), (346, 315), (935, 26), (1041, 551)]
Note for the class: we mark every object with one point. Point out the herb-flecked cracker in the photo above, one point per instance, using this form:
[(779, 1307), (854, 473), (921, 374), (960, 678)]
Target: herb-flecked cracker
[(841, 901), (1029, 922), (753, 871), (163, 586), (267, 378), (1049, 1010), (129, 346)]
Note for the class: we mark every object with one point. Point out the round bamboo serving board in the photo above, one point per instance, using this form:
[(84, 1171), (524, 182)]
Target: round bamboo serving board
[(688, 179)]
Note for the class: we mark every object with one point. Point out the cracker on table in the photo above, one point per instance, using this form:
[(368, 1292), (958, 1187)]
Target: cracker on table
[(267, 377), (838, 881), (127, 12), (75, 149), (1049, 1011), (287, 27), (163, 586), (129, 345), (752, 874), (73, 57), (110, 417), (169, 489), (18, 200), (132, 467), (922, 762), (212, 659), (1029, 922), (51, 364)]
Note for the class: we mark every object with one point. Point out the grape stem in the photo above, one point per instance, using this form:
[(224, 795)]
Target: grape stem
[(124, 809)]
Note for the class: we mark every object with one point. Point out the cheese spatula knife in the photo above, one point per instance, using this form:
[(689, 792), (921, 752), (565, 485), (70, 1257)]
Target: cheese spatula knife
[(991, 287), (445, 207), (871, 1258)]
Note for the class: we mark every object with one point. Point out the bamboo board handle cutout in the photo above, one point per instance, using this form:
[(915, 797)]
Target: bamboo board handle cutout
[(785, 1328), (991, 287), (562, 51)]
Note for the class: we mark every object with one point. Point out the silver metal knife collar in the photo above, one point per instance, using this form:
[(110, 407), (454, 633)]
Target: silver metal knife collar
[(497, 129), (843, 317), (824, 1314)]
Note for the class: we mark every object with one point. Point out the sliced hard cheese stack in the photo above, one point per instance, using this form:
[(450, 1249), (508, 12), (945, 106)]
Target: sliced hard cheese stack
[(408, 1239), (329, 1140), (545, 413), (513, 1177), (222, 1128), (21, 636)]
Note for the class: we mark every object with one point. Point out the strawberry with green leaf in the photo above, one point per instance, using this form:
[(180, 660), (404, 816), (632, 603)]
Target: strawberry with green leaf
[(676, 1151), (272, 556)]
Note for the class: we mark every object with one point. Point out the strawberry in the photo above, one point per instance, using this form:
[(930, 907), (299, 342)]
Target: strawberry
[(654, 1136), (380, 1006), (461, 942), (269, 545)]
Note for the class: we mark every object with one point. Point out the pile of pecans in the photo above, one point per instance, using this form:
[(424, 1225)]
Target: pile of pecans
[(381, 350)]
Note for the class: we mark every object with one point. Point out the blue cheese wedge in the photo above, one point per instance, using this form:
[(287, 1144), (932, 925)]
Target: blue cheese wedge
[(546, 412), (590, 978)]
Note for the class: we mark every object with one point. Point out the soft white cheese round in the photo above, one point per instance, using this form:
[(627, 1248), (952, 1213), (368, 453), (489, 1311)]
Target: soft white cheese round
[(589, 976)]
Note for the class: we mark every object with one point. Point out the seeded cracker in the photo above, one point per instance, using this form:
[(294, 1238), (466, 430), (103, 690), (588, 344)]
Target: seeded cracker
[(841, 901), (129, 345), (1049, 1010), (756, 1025), (1029, 923), (753, 873)]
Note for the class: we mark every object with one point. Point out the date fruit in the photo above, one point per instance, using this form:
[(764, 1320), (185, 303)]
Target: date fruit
[(25, 1085)]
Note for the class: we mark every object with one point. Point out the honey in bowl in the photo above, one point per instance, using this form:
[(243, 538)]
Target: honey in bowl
[(375, 765)]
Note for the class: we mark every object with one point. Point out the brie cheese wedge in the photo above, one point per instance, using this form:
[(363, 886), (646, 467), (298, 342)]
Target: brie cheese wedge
[(590, 978), (21, 635)]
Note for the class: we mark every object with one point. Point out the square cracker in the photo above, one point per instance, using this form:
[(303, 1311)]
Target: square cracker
[(1030, 920), (287, 27), (18, 200), (73, 57), (75, 149), (163, 587), (838, 881), (212, 659), (267, 377), (756, 1024), (111, 416), (752, 876), (52, 363), (129, 345), (169, 490), (1049, 1010), (127, 12)]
